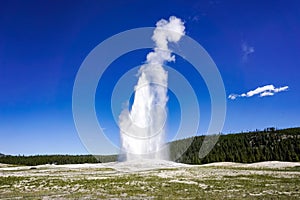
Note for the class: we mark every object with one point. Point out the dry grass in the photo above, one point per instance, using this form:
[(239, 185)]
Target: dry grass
[(109, 181)]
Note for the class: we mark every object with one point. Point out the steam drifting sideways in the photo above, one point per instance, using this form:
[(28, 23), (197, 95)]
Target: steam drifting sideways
[(142, 129)]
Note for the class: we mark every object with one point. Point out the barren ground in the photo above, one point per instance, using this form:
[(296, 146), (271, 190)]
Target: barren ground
[(148, 179)]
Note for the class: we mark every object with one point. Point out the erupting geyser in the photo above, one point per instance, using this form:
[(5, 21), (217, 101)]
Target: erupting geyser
[(142, 128)]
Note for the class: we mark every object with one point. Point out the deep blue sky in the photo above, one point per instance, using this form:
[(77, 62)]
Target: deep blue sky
[(43, 43)]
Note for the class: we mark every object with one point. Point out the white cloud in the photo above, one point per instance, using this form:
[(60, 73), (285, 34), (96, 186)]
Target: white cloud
[(246, 50), (264, 94), (281, 89), (233, 96), (267, 90)]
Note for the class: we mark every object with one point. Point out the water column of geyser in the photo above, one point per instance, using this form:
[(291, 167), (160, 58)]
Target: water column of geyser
[(142, 129)]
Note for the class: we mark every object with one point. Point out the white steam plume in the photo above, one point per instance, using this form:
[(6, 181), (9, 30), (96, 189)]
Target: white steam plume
[(142, 128)]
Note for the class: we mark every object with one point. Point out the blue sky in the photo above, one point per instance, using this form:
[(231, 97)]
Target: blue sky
[(43, 43)]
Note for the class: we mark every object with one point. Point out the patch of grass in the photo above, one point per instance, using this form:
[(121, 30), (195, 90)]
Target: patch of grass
[(93, 184), (10, 180), (296, 168), (105, 169)]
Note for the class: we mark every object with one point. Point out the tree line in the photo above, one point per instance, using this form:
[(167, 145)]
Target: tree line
[(257, 146), (269, 144), (55, 159)]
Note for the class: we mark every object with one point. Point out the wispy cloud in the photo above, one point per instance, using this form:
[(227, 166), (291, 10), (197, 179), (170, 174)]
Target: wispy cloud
[(267, 90), (195, 18), (246, 50)]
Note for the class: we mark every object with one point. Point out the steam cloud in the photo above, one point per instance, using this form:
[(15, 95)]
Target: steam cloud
[(267, 90), (142, 128)]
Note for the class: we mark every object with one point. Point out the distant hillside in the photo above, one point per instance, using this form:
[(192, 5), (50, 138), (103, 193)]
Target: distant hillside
[(267, 145)]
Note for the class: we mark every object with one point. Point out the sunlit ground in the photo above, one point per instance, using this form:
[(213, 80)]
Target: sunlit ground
[(268, 180)]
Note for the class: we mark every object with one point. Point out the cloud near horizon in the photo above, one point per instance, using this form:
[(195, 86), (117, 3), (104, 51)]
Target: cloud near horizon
[(267, 90)]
